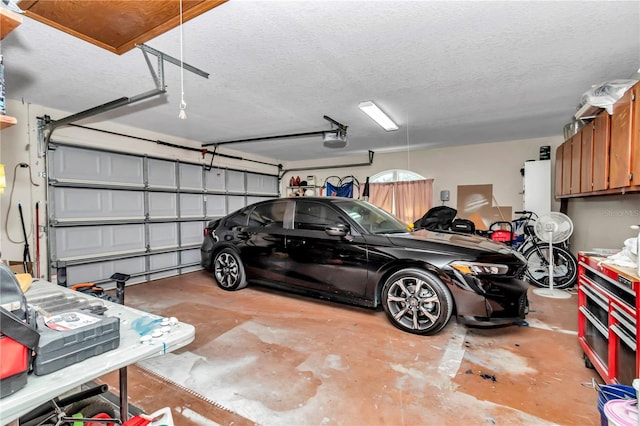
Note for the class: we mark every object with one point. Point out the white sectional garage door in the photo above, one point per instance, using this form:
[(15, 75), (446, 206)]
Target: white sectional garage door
[(113, 212)]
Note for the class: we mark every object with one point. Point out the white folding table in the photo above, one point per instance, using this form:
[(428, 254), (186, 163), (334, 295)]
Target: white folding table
[(40, 389)]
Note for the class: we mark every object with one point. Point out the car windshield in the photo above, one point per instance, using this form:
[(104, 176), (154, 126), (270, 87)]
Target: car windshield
[(373, 219)]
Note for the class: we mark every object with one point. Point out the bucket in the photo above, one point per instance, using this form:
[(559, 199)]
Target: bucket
[(621, 412), (608, 393)]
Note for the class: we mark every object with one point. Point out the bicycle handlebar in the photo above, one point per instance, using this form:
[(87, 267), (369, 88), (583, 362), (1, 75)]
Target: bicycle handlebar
[(528, 213)]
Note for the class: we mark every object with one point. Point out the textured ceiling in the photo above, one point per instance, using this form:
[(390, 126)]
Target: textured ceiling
[(447, 72)]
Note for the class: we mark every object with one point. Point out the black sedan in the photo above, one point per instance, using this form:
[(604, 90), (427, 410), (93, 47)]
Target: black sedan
[(352, 251)]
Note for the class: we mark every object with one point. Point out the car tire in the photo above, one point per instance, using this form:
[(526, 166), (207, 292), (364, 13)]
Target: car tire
[(228, 270), (417, 302)]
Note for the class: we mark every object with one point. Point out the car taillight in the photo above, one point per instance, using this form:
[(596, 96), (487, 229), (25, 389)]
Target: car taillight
[(206, 232)]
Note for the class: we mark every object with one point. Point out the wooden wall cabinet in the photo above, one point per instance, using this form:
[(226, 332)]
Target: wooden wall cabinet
[(576, 159), (601, 143), (635, 135), (620, 151), (558, 169), (566, 167), (586, 158), (604, 157)]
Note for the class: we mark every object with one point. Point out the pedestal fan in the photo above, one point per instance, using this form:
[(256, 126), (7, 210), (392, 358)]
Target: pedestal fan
[(553, 228)]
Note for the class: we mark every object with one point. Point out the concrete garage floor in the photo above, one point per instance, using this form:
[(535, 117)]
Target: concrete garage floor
[(265, 357)]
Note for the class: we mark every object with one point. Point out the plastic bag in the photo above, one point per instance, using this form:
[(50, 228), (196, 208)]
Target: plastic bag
[(606, 94)]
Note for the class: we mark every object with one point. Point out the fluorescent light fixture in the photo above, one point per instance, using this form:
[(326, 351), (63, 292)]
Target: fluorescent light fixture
[(377, 115)]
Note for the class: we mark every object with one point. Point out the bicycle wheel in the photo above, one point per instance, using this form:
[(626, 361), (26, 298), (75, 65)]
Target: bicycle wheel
[(565, 267)]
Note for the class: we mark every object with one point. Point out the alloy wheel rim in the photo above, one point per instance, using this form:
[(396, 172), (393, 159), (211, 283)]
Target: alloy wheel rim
[(413, 303), (226, 270)]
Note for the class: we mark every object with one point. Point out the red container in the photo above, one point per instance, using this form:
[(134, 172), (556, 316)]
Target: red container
[(502, 235), (14, 365), (17, 334)]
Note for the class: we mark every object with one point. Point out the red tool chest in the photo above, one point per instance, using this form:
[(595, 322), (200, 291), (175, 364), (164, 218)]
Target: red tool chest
[(608, 307)]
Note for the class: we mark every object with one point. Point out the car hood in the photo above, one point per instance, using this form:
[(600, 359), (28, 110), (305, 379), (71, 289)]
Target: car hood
[(448, 241)]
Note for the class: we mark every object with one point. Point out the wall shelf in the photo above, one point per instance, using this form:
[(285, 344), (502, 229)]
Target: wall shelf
[(6, 121), (9, 21)]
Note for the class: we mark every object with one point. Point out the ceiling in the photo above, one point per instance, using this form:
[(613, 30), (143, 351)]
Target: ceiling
[(448, 73)]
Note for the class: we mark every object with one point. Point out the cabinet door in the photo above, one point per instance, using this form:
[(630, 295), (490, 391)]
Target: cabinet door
[(635, 135), (620, 154), (601, 140), (566, 167), (576, 149), (558, 186), (586, 159)]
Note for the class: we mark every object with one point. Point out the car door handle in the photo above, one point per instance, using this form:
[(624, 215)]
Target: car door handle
[(243, 235)]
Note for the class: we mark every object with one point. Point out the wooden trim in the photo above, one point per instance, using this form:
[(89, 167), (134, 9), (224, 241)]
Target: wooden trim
[(614, 191)]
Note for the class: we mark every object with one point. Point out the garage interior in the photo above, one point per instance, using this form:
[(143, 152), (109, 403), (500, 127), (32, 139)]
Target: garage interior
[(128, 125)]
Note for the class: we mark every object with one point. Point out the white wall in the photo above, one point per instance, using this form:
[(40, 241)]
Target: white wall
[(19, 144), (603, 222), (496, 163)]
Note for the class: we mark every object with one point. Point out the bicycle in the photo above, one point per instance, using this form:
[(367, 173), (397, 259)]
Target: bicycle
[(536, 253)]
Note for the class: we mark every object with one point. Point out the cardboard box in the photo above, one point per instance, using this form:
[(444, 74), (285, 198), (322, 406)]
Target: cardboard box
[(17, 266)]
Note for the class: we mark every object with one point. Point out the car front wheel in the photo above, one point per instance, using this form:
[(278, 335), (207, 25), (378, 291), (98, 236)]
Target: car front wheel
[(417, 302), (228, 270)]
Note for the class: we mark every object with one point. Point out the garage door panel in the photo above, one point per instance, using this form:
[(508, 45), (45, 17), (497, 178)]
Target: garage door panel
[(97, 166), (163, 235), (163, 260), (124, 168), (191, 205), (190, 176), (71, 242), (190, 256), (235, 202), (216, 205), (163, 205), (215, 180), (72, 163), (261, 184), (82, 203), (161, 173), (83, 241), (191, 233), (99, 271), (235, 181)]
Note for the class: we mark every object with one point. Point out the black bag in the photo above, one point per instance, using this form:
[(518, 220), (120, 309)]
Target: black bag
[(437, 218), (463, 225)]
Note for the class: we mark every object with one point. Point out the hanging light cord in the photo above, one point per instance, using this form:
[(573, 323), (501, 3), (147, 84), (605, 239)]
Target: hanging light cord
[(183, 104)]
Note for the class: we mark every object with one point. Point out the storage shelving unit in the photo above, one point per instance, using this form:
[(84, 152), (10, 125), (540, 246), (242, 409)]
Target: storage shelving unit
[(608, 308)]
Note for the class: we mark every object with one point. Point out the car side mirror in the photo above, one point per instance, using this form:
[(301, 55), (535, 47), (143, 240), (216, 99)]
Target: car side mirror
[(337, 230)]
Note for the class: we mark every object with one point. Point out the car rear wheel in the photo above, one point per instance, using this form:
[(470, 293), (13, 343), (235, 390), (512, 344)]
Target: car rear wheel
[(417, 302), (229, 271)]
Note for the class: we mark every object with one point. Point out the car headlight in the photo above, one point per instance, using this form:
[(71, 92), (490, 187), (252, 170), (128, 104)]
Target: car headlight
[(477, 268)]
